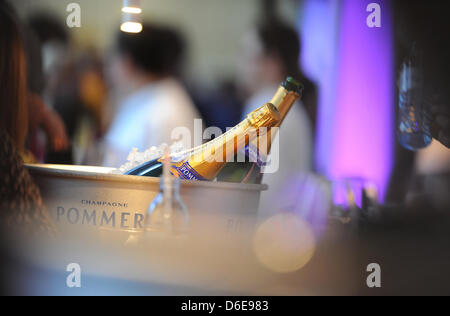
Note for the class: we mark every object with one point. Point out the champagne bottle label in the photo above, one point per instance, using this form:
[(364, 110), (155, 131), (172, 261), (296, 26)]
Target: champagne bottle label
[(181, 168), (256, 155), (185, 171)]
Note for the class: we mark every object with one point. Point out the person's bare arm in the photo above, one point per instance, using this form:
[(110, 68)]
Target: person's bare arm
[(50, 121)]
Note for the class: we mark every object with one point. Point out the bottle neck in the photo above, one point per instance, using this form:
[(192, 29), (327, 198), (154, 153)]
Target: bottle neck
[(283, 100), (259, 148), (169, 187), (227, 145)]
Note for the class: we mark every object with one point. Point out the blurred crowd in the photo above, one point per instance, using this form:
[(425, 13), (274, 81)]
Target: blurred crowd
[(82, 105)]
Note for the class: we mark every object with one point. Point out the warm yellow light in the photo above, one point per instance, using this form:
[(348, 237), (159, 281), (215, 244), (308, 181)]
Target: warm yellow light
[(131, 27), (284, 243), (133, 10)]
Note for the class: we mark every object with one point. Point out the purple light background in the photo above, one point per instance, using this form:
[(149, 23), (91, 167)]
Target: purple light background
[(356, 79)]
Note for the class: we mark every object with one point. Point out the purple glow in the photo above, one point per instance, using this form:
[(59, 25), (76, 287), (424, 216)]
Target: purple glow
[(353, 66), (362, 126), (318, 25)]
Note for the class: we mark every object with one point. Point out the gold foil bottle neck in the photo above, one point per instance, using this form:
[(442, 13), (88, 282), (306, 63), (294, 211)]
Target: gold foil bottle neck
[(283, 100), (266, 115)]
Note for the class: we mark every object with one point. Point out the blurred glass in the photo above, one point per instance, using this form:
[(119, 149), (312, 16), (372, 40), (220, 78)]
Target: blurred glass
[(414, 123), (167, 213)]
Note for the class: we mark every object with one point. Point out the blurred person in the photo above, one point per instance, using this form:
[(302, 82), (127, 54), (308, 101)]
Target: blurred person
[(77, 91), (73, 84), (92, 93), (21, 207), (53, 40), (47, 43), (425, 175), (220, 106), (271, 52), (40, 115), (152, 102)]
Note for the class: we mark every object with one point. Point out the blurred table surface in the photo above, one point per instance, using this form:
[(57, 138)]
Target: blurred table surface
[(414, 256)]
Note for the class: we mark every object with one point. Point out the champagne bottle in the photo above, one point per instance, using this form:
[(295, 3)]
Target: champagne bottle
[(258, 149), (206, 161)]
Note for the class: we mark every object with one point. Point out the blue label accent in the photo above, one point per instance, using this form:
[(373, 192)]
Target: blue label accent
[(254, 155), (185, 171)]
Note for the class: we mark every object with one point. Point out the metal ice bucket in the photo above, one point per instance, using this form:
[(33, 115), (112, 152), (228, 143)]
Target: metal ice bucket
[(92, 198)]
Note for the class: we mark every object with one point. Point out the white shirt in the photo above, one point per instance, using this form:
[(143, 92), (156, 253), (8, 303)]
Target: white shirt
[(295, 149), (147, 118)]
